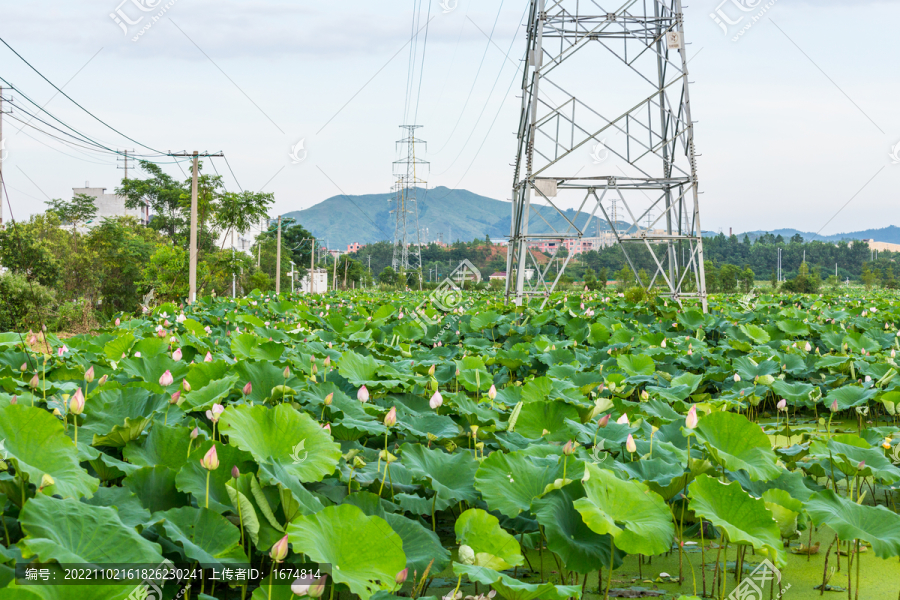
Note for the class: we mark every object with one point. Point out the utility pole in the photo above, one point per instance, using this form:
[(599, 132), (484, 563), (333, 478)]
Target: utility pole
[(312, 266), (278, 261), (2, 153), (292, 277), (334, 274), (192, 273)]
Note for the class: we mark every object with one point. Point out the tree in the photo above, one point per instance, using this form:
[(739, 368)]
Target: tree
[(80, 209), (388, 276), (728, 278), (161, 194), (297, 242), (22, 252), (747, 279), (869, 277), (121, 247), (239, 212)]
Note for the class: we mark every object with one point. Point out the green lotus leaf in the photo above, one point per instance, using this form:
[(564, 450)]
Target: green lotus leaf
[(245, 509), (203, 536), (637, 518), (264, 376), (249, 346), (494, 548), (785, 509), (69, 531), (365, 552), (129, 507), (537, 417), (636, 364), (420, 545), (743, 518), (795, 393), (876, 525), (35, 441), (755, 333), (149, 369), (579, 548), (851, 450), (283, 437), (452, 476), (214, 392), (510, 482), (165, 445), (850, 396), (358, 369), (513, 589), (155, 487), (735, 442)]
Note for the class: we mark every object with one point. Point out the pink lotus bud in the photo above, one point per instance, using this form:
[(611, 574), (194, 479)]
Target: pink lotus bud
[(76, 404), (280, 550), (782, 404), (194, 433), (185, 385), (318, 588), (118, 321), (362, 394), (629, 444), (492, 393), (175, 397), (235, 472), (161, 333), (177, 354), (286, 372), (248, 389), (102, 380), (390, 419), (436, 401), (62, 350), (137, 354), (834, 406), (603, 421), (35, 382), (327, 427), (807, 347), (569, 448), (623, 420), (166, 379), (737, 378), (210, 460), (401, 576), (312, 358), (207, 358), (431, 370), (32, 340), (861, 465), (298, 588), (692, 420), (14, 400)]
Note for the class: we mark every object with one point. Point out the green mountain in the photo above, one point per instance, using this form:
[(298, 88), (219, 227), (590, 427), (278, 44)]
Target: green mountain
[(890, 235), (450, 214)]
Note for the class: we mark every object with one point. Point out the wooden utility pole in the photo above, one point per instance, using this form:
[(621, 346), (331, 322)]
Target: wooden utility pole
[(2, 152), (192, 272), (334, 274), (278, 261)]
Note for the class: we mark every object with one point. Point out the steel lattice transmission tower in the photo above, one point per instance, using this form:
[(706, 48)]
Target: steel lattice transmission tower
[(406, 210), (606, 120)]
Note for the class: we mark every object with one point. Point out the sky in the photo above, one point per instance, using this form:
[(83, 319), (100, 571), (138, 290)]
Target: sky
[(796, 120)]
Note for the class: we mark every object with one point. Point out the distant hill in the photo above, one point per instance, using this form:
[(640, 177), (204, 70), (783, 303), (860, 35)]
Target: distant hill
[(890, 234), (456, 214)]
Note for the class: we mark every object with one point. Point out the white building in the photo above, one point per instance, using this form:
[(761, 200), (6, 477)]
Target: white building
[(111, 205), (319, 281)]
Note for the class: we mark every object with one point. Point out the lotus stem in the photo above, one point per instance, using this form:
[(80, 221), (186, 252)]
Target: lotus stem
[(433, 501), (702, 557), (271, 572), (612, 550), (207, 488)]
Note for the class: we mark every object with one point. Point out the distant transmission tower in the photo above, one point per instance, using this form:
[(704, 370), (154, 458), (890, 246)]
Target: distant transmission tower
[(606, 116), (406, 211)]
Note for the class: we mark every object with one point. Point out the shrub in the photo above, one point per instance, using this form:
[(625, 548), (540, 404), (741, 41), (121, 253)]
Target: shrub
[(24, 305)]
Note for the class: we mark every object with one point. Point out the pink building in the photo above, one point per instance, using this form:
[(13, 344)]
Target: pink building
[(354, 247)]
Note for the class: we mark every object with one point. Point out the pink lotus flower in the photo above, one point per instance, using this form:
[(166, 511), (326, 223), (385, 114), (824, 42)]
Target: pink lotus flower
[(623, 420), (207, 358), (327, 427), (62, 350), (177, 354), (692, 420), (390, 419), (436, 401), (782, 405), (210, 460), (34, 382), (329, 399), (166, 379), (834, 406), (630, 445), (88, 375), (248, 389), (185, 385), (175, 397), (569, 448), (118, 321), (603, 421), (235, 472), (492, 393), (102, 380), (216, 412), (137, 354), (362, 394), (401, 576)]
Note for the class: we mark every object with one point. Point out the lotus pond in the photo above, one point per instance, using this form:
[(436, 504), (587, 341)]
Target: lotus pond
[(595, 448)]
